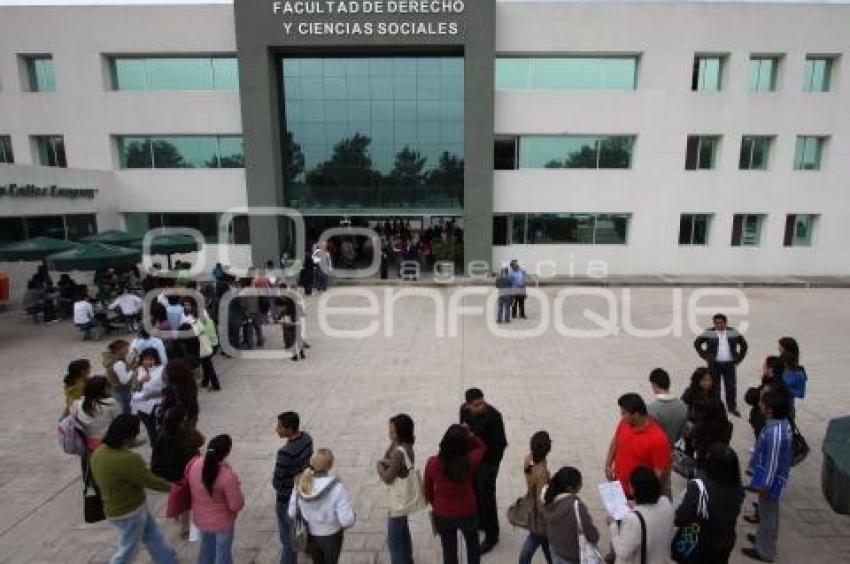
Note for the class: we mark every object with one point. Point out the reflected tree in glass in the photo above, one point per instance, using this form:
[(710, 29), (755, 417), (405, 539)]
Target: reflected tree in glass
[(166, 155)]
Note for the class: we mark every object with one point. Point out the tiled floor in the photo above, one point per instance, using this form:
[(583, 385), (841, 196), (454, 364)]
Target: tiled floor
[(348, 388)]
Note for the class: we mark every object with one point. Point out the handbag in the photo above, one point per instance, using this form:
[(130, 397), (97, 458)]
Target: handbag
[(406, 495), (180, 495), (642, 537), (686, 545), (300, 529), (92, 502), (683, 464), (799, 446), (587, 551), (520, 512)]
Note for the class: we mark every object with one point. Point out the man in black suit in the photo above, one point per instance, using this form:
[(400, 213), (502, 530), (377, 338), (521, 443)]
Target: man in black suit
[(723, 348), (486, 423)]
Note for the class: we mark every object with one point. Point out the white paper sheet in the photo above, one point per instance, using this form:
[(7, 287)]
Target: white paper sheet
[(614, 499)]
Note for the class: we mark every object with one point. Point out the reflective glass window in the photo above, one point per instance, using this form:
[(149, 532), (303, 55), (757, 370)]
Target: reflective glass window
[(701, 152), (575, 151), (181, 151), (799, 229), (755, 150), (41, 74), (78, 226), (570, 228), (693, 229), (6, 154), (225, 73), (707, 73), (762, 76), (128, 74), (373, 132), (51, 150), (817, 74), (807, 153), (746, 230), (45, 226), (179, 74), (174, 73), (12, 230), (566, 73)]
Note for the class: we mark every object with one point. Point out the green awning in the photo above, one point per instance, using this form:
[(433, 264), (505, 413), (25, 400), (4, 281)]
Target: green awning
[(34, 249), (91, 256), (113, 237)]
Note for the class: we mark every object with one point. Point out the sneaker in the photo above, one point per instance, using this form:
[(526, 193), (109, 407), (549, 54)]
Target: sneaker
[(754, 554), (735, 412)]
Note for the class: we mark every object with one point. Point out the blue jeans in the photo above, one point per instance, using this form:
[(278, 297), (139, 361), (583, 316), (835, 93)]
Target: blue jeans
[(530, 546), (123, 397), (504, 311), (284, 526), (141, 528), (216, 548), (398, 540)]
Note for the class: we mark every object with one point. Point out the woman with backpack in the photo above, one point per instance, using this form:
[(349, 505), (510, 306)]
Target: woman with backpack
[(323, 502), (398, 464), (95, 410), (536, 477), (74, 381), (216, 501), (449, 487), (566, 516)]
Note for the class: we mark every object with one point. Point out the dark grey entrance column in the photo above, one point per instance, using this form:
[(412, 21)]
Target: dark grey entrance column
[(262, 36)]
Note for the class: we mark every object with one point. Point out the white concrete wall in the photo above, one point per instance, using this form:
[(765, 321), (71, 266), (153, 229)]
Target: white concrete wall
[(663, 111)]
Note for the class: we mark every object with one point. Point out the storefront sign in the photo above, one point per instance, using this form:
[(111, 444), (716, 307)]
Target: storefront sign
[(331, 17), (53, 191)]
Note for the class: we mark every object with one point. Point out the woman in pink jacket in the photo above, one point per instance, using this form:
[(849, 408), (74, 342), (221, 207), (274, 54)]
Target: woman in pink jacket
[(216, 500)]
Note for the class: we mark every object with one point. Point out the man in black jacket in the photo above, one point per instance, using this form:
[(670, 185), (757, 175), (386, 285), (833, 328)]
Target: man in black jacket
[(486, 423), (722, 347), (292, 459)]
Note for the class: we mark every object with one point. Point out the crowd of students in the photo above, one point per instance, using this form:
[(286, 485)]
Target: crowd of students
[(146, 383)]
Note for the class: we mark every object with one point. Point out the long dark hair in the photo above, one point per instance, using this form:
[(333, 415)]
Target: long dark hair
[(403, 425), (76, 369), (453, 453), (96, 390), (217, 450), (722, 466), (565, 480), (121, 431), (790, 352), (540, 445), (694, 388)]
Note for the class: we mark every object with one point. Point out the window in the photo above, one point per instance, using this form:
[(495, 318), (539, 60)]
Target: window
[(746, 230), (799, 229), (41, 74), (174, 73), (763, 72), (206, 223), (693, 228), (181, 151), (51, 150), (78, 226), (569, 228), (610, 152), (701, 152), (817, 74), (73, 227), (6, 155), (566, 73), (755, 150), (12, 230), (807, 154), (504, 153), (707, 73), (500, 230)]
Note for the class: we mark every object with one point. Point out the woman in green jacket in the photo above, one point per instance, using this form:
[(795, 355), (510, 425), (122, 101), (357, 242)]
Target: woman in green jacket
[(122, 477)]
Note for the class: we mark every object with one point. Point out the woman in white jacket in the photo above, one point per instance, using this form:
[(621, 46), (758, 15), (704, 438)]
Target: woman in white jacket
[(146, 400), (324, 504), (658, 515)]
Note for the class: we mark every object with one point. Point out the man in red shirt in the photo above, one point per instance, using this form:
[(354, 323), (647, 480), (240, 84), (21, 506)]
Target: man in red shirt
[(638, 441)]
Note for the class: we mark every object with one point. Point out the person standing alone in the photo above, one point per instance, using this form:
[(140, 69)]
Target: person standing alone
[(486, 422), (723, 348)]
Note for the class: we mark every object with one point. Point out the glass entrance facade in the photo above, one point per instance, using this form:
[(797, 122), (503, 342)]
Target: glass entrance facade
[(373, 134)]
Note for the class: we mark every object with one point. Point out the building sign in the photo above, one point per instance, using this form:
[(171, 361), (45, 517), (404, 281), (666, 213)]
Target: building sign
[(352, 18), (53, 191)]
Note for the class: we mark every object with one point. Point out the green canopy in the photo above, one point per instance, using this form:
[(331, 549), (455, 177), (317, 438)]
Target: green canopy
[(113, 237), (34, 249), (170, 244), (91, 256)]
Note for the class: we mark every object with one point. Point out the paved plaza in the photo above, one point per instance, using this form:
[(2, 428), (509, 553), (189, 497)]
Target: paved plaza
[(348, 388)]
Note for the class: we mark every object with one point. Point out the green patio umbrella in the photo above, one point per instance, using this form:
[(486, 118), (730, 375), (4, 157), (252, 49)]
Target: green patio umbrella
[(34, 249), (91, 256), (113, 237), (169, 244)]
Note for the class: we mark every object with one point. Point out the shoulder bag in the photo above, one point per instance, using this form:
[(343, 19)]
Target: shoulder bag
[(642, 537), (92, 502), (587, 551), (683, 464), (799, 446), (406, 495), (688, 542)]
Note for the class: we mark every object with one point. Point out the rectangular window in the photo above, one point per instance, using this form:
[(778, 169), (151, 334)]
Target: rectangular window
[(51, 150), (570, 228), (807, 154), (504, 153), (693, 228), (6, 154), (817, 74), (707, 73), (206, 223), (78, 226), (174, 73), (799, 229), (566, 73), (701, 152), (755, 151), (500, 230), (12, 230), (746, 230), (45, 226), (576, 151), (763, 72), (41, 73), (181, 151)]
